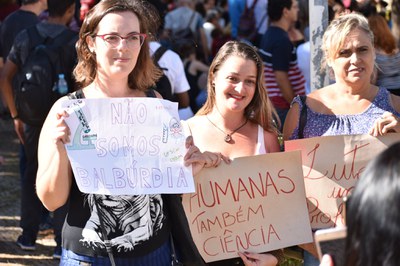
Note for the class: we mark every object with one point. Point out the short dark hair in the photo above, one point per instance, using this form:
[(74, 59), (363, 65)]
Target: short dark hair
[(275, 8), (373, 215), (58, 8)]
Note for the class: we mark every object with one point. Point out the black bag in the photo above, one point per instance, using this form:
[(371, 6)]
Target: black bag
[(163, 85), (247, 29), (183, 241), (35, 84), (184, 36)]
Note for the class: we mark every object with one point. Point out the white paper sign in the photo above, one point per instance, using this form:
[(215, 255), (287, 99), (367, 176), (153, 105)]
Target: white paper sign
[(255, 204), (127, 146)]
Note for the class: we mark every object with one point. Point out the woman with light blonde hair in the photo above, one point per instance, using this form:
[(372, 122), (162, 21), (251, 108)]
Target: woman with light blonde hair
[(352, 104)]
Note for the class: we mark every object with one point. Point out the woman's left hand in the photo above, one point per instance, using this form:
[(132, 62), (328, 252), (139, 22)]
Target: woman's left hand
[(258, 259), (388, 122), (200, 160)]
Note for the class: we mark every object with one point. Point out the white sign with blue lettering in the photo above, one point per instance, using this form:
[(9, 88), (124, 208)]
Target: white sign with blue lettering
[(127, 146)]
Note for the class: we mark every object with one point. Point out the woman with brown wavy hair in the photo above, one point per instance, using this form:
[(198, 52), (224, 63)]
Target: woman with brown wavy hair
[(387, 55), (114, 61)]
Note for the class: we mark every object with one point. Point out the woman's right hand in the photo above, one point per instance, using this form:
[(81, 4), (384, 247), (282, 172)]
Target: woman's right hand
[(258, 259), (200, 160), (54, 176), (62, 132)]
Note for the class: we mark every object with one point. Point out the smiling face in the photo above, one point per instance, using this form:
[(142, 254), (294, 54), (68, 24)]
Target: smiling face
[(119, 61), (354, 62), (235, 84)]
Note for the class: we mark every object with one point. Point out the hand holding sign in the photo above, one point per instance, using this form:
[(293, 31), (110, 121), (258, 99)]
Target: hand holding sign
[(249, 205), (200, 160), (128, 146)]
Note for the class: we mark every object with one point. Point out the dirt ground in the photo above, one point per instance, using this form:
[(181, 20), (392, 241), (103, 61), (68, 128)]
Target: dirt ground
[(10, 253)]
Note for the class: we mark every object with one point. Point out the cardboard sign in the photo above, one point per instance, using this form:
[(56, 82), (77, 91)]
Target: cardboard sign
[(331, 166), (127, 146), (255, 204)]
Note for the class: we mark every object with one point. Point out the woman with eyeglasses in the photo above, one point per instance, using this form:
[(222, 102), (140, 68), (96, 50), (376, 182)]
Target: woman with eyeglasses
[(113, 61)]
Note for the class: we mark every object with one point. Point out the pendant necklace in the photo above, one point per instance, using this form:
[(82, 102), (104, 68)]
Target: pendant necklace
[(228, 137)]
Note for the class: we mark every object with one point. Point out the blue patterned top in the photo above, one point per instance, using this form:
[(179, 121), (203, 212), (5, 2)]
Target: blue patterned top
[(330, 125)]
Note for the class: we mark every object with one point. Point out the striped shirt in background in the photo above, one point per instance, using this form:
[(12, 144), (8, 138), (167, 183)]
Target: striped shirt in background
[(296, 78), (279, 54)]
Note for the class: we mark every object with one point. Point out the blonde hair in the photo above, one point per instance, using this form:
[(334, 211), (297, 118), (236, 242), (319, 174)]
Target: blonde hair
[(338, 30), (145, 73), (260, 109)]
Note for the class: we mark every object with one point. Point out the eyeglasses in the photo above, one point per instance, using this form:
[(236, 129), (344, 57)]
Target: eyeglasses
[(133, 40)]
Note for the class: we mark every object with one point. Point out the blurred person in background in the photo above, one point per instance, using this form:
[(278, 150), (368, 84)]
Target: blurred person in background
[(387, 55)]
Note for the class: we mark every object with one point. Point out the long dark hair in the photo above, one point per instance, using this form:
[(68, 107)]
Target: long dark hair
[(373, 215)]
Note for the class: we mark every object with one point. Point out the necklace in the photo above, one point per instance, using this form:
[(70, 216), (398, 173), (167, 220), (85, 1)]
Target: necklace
[(228, 137)]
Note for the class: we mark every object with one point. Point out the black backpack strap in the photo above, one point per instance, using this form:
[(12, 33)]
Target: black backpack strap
[(151, 93), (66, 36), (62, 38), (253, 5), (35, 38), (261, 21), (157, 55), (191, 18), (303, 116)]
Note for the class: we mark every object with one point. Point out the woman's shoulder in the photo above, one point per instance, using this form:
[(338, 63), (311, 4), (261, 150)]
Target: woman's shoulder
[(194, 125), (195, 121), (316, 95), (271, 141), (321, 97), (327, 90), (58, 104)]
